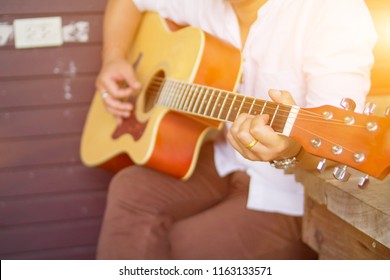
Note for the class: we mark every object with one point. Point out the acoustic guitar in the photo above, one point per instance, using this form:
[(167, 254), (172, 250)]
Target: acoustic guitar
[(188, 93)]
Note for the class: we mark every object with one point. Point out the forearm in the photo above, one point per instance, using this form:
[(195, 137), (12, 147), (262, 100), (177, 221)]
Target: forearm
[(121, 21)]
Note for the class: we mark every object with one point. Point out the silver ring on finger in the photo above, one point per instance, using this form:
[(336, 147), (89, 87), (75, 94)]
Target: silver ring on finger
[(104, 94)]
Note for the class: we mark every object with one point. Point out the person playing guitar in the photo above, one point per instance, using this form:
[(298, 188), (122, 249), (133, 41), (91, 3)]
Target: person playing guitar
[(232, 204)]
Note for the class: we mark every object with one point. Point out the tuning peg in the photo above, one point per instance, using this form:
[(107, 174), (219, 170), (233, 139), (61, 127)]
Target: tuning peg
[(348, 104), (387, 113), (369, 108), (363, 181), (321, 165), (341, 173)]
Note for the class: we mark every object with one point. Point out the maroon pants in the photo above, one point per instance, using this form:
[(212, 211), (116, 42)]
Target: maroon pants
[(150, 215)]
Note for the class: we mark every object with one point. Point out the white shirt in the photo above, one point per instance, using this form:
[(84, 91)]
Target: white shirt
[(318, 50)]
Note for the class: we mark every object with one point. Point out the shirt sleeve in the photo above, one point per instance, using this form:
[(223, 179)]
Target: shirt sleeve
[(338, 53)]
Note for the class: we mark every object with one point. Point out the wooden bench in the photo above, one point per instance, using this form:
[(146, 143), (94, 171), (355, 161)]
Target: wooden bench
[(342, 221)]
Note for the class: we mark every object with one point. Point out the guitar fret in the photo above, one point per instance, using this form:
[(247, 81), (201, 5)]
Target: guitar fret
[(184, 96), (281, 118), (172, 94), (193, 98), (231, 107), (202, 105), (236, 108), (246, 105), (215, 104), (262, 110), (212, 94), (219, 104), (274, 115), (253, 103), (197, 100), (165, 91), (242, 104), (221, 109), (188, 98), (270, 108), (177, 96)]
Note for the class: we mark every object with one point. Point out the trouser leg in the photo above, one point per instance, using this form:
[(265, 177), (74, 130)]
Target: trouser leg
[(231, 231), (143, 204)]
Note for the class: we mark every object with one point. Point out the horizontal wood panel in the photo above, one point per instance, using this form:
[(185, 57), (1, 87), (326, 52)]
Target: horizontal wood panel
[(49, 121), (51, 6), (45, 151), (65, 61), (50, 91), (333, 238), (49, 236), (50, 204), (53, 179), (77, 253), (34, 209), (95, 25)]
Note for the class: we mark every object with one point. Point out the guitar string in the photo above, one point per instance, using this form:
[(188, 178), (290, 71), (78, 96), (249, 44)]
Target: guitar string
[(266, 102), (156, 87), (317, 117), (278, 120), (324, 139), (246, 103)]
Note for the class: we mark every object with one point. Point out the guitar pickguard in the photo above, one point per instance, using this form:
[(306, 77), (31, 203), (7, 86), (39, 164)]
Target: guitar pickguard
[(130, 125)]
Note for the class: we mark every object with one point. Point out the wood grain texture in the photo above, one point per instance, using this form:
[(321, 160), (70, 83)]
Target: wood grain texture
[(70, 253), (43, 93), (58, 61), (39, 151), (333, 238), (43, 122), (366, 211), (53, 179), (48, 236), (31, 93), (51, 6), (51, 207)]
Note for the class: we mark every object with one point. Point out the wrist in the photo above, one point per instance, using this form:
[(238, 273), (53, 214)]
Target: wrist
[(288, 162), (112, 52)]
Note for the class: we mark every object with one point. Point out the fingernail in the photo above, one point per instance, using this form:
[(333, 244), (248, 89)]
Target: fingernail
[(276, 93)]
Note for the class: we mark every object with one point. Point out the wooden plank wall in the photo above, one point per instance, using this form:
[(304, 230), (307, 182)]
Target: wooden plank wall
[(50, 204)]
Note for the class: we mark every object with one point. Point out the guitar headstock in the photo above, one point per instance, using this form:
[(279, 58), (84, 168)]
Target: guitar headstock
[(361, 141)]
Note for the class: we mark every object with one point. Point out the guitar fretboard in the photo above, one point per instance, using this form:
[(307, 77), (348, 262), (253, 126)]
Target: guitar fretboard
[(223, 105)]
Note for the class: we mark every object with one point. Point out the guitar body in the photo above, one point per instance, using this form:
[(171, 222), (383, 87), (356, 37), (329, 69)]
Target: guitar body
[(154, 136)]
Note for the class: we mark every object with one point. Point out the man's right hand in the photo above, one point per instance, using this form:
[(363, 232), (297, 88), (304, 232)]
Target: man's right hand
[(116, 82)]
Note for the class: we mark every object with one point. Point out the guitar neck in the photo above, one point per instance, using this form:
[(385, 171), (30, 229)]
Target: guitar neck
[(223, 105)]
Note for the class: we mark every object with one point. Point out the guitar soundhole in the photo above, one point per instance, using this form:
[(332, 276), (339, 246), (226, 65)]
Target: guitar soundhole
[(152, 91)]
